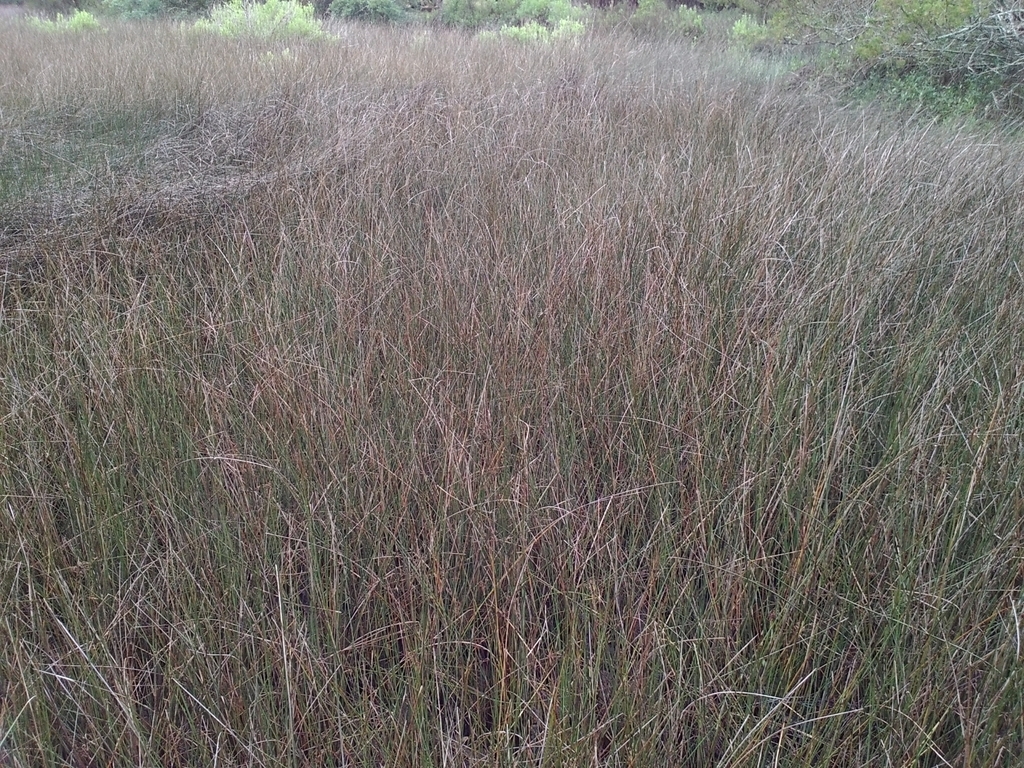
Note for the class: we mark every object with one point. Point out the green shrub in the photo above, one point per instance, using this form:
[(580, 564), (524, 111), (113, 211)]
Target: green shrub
[(549, 12), (457, 13), (271, 19), (529, 32), (653, 17), (884, 26), (510, 13), (947, 56), (749, 31), (566, 28), (50, 8), (475, 13), (142, 9), (79, 21), (649, 15), (753, 7), (368, 10), (688, 21), (898, 26), (535, 32), (134, 9), (918, 90)]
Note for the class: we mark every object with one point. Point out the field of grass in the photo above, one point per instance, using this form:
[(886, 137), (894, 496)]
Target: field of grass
[(419, 400)]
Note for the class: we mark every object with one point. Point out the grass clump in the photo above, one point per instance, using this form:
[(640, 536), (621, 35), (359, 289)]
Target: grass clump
[(430, 401), (269, 19)]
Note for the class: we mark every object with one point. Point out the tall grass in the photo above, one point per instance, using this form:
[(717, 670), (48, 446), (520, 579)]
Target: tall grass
[(416, 400)]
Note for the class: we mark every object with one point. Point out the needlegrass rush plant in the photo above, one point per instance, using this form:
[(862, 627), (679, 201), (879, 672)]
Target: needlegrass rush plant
[(421, 400)]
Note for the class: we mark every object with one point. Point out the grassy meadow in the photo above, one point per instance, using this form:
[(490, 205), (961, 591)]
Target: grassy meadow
[(416, 399)]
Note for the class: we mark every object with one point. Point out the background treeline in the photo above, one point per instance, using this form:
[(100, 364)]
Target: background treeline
[(955, 56)]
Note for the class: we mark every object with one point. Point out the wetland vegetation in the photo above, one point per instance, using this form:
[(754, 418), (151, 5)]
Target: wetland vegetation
[(413, 397)]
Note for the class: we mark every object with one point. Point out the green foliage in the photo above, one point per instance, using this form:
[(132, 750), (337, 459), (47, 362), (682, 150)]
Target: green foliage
[(919, 90), (134, 9), (566, 28), (754, 7), (52, 7), (533, 10), (927, 17), (141, 9), (873, 29), (273, 19), (689, 21), (79, 21), (947, 56), (897, 25), (550, 12), (531, 31), (368, 10), (457, 13), (749, 31), (649, 15), (655, 17), (475, 13), (535, 32), (513, 13)]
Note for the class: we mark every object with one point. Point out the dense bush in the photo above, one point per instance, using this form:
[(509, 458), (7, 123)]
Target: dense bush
[(917, 50), (757, 8), (545, 11), (872, 27), (749, 31), (138, 9), (135, 9), (125, 9), (535, 32), (52, 6), (78, 21), (368, 10), (656, 17), (496, 13), (269, 19), (474, 13)]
